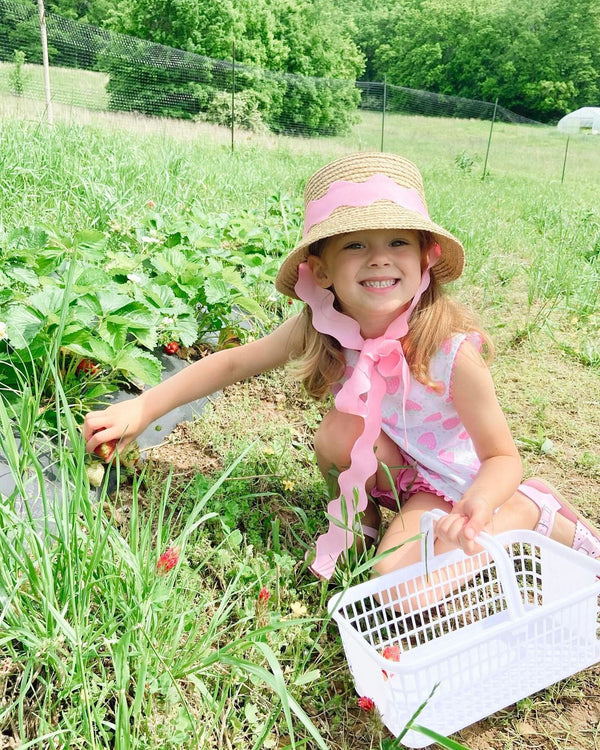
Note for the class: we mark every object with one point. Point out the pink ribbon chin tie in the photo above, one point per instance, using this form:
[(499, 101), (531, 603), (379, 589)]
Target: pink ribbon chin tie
[(362, 395)]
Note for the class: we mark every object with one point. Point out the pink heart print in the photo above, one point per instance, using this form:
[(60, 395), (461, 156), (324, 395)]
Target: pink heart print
[(428, 440), (392, 384)]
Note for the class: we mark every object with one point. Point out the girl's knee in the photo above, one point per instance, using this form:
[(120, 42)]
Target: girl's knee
[(335, 437)]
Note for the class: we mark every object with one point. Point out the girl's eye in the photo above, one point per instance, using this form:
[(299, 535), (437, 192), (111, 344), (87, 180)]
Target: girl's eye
[(353, 246), (399, 243)]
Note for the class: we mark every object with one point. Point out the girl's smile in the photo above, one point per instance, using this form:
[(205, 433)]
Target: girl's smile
[(374, 274)]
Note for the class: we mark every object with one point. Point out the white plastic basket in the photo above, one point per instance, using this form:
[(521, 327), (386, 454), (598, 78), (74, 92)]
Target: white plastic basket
[(505, 623)]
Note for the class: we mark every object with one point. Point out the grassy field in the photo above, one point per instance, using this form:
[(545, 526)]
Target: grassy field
[(70, 86), (95, 645)]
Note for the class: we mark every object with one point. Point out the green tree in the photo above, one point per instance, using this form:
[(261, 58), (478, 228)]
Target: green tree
[(286, 36), (95, 12), (540, 57)]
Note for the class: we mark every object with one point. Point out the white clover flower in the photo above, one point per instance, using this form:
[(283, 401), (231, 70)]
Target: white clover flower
[(3, 332), (134, 278), (298, 609)]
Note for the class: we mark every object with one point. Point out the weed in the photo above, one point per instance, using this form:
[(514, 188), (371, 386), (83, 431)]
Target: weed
[(17, 78), (464, 162)]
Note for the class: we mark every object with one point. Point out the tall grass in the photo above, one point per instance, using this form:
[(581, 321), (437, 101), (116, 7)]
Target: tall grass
[(101, 646), (70, 86)]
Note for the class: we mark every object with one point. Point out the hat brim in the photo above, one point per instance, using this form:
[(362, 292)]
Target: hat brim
[(379, 215)]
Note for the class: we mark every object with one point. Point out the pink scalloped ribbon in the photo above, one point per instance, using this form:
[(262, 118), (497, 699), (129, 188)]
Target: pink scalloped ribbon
[(376, 188), (361, 394)]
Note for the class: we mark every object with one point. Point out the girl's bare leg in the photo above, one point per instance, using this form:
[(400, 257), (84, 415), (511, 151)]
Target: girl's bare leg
[(334, 441), (518, 512)]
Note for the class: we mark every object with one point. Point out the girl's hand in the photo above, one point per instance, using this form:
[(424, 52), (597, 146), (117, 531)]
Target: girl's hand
[(114, 427), (465, 521)]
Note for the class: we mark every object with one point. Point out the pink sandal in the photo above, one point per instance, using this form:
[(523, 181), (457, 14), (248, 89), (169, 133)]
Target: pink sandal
[(550, 502)]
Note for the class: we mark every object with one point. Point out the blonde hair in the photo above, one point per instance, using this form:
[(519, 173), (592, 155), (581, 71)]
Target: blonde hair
[(435, 319)]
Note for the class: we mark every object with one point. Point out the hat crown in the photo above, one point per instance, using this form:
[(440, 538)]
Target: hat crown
[(360, 167), (368, 191)]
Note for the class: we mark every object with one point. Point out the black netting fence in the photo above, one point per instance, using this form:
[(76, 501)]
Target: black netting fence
[(375, 96), (98, 69)]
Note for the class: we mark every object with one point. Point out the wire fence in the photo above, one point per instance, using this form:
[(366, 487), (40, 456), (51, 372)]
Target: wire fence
[(129, 74), (96, 69)]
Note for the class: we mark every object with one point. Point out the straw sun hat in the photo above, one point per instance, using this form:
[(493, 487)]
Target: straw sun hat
[(367, 191)]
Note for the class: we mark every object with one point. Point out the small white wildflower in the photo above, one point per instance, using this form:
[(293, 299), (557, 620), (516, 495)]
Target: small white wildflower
[(134, 278), (2, 330), (149, 240), (298, 609), (167, 322)]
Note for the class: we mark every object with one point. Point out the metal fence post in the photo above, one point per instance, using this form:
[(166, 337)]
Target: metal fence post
[(46, 61), (383, 109), (562, 179), (489, 139), (232, 95)]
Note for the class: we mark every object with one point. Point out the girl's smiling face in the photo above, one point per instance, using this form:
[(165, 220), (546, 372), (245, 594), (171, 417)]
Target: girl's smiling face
[(373, 273)]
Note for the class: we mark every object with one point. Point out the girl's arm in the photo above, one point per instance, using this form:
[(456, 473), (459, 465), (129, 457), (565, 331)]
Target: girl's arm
[(501, 470), (124, 421)]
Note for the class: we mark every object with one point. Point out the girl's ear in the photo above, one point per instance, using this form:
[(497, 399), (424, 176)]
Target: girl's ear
[(319, 271)]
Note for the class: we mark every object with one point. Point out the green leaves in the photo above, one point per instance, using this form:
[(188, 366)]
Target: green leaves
[(136, 364), (115, 301)]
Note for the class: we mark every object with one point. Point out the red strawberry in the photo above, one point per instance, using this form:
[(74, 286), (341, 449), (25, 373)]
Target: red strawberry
[(86, 365), (172, 347), (393, 654), (106, 450)]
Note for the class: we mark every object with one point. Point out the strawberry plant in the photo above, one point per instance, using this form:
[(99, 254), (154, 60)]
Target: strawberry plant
[(108, 301)]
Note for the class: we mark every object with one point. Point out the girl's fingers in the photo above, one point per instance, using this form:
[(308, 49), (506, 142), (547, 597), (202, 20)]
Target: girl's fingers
[(451, 530)]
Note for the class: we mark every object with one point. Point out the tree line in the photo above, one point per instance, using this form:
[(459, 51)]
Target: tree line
[(539, 58)]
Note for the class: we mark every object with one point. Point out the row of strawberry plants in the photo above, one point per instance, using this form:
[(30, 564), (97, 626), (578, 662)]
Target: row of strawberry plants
[(106, 301)]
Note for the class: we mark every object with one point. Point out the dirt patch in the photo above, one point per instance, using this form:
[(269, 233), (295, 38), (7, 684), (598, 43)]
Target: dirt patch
[(257, 409)]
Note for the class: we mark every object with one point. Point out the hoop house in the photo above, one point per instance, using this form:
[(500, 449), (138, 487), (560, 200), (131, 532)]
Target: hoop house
[(584, 120)]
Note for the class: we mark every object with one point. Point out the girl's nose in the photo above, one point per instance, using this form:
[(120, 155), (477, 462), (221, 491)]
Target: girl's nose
[(378, 255)]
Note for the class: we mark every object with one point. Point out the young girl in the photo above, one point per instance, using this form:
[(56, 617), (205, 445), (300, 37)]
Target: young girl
[(414, 403)]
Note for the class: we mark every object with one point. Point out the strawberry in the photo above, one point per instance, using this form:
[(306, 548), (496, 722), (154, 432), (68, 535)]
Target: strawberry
[(106, 450), (95, 474), (393, 654), (86, 365), (172, 347)]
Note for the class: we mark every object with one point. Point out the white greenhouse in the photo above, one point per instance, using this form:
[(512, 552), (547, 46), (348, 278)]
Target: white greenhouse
[(584, 120)]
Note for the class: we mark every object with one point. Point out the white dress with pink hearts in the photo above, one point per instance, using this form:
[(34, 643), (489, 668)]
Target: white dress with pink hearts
[(433, 439)]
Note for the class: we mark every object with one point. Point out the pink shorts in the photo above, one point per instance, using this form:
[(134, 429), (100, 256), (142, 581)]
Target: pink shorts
[(408, 483)]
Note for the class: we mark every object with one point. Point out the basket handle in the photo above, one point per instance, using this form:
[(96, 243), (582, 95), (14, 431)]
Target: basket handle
[(491, 545)]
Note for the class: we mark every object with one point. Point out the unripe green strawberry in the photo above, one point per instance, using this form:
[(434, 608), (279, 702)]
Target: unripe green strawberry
[(95, 474)]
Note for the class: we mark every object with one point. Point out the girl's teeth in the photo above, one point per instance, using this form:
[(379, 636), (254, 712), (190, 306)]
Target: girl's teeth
[(379, 284)]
